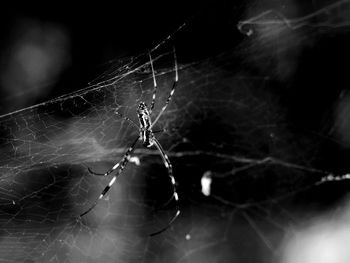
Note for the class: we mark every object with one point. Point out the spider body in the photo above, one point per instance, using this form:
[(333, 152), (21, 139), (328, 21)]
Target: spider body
[(146, 136), (146, 133)]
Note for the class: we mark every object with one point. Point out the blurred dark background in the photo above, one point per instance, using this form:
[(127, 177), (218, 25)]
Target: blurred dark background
[(71, 44), (281, 92)]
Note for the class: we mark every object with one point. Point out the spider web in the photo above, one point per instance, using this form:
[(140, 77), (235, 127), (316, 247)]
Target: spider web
[(240, 116)]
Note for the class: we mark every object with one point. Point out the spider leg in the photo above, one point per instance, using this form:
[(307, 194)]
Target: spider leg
[(126, 156), (165, 204), (171, 92), (108, 172), (126, 118), (175, 196), (122, 164), (154, 85), (159, 131), (117, 165)]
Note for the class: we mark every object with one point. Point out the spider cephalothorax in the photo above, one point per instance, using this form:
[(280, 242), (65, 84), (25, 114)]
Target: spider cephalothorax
[(148, 140)]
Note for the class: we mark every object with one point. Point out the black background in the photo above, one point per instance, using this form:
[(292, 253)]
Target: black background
[(100, 32)]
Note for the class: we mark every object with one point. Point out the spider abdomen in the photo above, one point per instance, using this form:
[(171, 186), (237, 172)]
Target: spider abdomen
[(146, 136)]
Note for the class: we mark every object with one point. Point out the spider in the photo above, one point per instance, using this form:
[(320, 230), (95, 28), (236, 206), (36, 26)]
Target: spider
[(146, 135)]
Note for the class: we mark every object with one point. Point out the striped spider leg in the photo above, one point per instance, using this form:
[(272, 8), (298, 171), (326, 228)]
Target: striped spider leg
[(146, 136)]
